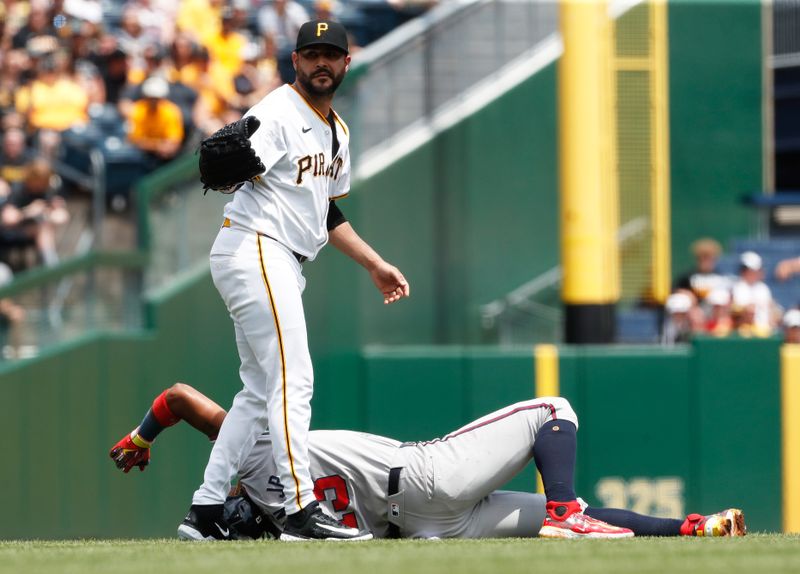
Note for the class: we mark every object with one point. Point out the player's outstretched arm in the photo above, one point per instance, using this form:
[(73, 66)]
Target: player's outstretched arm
[(387, 278), (180, 401)]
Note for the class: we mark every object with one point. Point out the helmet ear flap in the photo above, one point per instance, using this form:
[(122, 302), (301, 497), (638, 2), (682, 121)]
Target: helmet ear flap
[(246, 520)]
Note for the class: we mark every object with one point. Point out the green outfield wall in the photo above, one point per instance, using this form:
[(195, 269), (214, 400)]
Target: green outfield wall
[(662, 431)]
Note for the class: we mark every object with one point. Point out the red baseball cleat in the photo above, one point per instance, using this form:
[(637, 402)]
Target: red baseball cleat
[(567, 520)]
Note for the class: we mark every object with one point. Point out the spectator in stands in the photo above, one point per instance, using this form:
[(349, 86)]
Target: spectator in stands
[(705, 277), (720, 320), (280, 22), (81, 11), (330, 10), (153, 66), (791, 326), (14, 156), (52, 103), (155, 21), (215, 91), (131, 36), (39, 23), (83, 45), (225, 47), (14, 16), (183, 65), (200, 18), (786, 268), (678, 325), (85, 76), (753, 305), (35, 211), (253, 81), (156, 124), (113, 66), (12, 120)]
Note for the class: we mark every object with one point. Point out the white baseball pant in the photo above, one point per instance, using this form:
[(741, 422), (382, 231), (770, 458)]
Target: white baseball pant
[(448, 486), (261, 283)]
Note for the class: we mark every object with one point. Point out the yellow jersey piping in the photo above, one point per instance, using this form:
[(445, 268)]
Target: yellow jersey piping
[(283, 370)]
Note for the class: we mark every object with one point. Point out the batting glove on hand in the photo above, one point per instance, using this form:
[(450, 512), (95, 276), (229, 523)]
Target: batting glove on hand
[(126, 455)]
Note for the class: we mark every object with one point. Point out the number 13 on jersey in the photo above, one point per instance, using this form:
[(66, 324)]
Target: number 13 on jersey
[(334, 490)]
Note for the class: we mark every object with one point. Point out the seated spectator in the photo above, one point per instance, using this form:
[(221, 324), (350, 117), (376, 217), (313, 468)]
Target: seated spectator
[(753, 305), (112, 66), (215, 91), (14, 156), (156, 124), (200, 18), (330, 10), (705, 277), (254, 80), (39, 23), (678, 326), (184, 67), (225, 47), (786, 268), (155, 19), (152, 63), (34, 212), (280, 22), (131, 37), (53, 102), (720, 320), (791, 326)]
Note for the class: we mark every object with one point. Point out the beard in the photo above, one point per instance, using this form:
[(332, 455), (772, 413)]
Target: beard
[(307, 81)]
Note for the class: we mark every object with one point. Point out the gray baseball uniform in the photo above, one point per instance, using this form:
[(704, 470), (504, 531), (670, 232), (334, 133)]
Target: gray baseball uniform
[(447, 487)]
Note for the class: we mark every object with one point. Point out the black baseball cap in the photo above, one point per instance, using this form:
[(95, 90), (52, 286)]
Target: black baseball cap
[(322, 32)]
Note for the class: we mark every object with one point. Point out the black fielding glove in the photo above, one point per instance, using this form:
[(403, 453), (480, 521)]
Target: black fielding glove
[(227, 159)]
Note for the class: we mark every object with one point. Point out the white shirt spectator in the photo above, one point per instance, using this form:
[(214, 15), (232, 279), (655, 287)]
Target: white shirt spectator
[(282, 25), (757, 295)]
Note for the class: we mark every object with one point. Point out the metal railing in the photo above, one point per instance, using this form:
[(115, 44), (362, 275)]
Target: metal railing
[(177, 222), (52, 305), (429, 63), (785, 50), (532, 313)]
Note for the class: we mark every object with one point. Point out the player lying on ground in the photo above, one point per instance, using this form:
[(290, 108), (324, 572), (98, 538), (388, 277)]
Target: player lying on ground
[(444, 488)]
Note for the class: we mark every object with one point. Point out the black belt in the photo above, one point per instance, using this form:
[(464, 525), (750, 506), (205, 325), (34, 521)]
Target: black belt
[(394, 488), (300, 258)]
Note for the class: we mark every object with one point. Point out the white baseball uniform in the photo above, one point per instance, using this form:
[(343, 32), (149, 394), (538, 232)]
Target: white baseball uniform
[(447, 487), (270, 225)]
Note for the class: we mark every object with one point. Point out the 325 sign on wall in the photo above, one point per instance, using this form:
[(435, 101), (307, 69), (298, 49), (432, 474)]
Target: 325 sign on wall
[(659, 496)]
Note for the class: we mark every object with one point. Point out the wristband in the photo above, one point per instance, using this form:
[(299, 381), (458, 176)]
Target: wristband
[(161, 411), (139, 441)]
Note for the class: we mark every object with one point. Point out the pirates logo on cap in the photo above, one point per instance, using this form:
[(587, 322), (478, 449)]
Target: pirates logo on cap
[(322, 32)]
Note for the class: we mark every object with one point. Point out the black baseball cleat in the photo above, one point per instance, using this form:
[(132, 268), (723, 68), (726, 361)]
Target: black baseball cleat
[(204, 522), (313, 524)]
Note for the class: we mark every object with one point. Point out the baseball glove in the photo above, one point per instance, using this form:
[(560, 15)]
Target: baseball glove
[(227, 159)]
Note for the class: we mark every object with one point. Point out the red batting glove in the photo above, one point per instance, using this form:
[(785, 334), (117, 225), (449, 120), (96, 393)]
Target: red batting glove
[(126, 454)]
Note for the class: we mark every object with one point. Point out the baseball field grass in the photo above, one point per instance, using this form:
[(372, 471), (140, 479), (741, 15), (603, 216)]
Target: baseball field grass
[(760, 553)]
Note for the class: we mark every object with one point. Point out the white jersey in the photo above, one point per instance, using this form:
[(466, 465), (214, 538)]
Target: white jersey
[(350, 472), (290, 201)]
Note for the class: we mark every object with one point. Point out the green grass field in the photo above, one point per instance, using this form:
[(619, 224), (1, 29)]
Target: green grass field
[(761, 554)]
